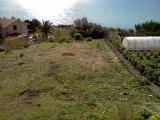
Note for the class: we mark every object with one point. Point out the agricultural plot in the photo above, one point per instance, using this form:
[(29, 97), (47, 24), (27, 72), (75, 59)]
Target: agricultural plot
[(147, 62)]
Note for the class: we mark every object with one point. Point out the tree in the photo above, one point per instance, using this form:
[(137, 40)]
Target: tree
[(33, 24), (45, 28), (148, 28), (125, 32), (88, 29)]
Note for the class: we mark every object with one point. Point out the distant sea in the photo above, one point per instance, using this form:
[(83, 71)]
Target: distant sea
[(110, 13)]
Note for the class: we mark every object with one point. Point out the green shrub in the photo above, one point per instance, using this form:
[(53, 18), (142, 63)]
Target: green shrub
[(155, 117), (62, 40), (51, 40), (145, 115), (69, 40), (148, 71), (158, 66), (156, 55), (141, 56), (144, 82), (88, 39), (91, 101), (156, 77), (54, 40), (78, 36), (148, 56), (66, 40), (2, 48)]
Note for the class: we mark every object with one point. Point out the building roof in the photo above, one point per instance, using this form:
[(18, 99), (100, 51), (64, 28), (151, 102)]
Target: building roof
[(6, 22)]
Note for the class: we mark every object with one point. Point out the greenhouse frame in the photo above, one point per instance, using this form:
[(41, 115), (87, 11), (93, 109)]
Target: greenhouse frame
[(141, 43)]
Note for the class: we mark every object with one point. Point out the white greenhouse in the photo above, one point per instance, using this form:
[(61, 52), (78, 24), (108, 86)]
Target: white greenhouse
[(141, 43)]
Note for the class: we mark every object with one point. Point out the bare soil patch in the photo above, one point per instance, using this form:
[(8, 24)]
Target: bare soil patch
[(79, 53), (28, 97), (30, 93), (68, 54)]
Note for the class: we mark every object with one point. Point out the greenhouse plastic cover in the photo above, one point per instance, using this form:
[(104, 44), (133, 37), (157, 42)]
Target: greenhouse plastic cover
[(141, 43)]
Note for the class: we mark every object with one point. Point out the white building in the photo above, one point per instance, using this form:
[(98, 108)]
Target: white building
[(13, 27)]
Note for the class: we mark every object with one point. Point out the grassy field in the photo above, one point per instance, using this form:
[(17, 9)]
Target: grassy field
[(74, 81)]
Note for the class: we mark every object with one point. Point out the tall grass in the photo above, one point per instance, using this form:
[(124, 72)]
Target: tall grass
[(124, 112)]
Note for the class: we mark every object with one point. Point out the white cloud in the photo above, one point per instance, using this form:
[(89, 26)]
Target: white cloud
[(47, 8)]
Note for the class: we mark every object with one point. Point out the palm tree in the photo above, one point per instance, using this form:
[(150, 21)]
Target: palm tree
[(45, 28)]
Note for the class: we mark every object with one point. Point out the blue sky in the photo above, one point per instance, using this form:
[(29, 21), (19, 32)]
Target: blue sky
[(112, 13), (120, 13)]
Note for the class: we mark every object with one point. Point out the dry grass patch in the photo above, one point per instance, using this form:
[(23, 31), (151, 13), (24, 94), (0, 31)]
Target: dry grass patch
[(14, 43)]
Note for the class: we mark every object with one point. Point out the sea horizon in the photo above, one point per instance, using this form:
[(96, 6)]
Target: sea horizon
[(108, 13)]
